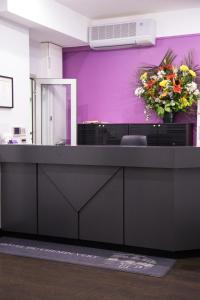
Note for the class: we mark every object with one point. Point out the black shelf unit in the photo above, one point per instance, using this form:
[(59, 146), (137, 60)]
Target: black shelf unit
[(101, 134), (165, 134)]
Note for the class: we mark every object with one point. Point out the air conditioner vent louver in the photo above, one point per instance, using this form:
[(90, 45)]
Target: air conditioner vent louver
[(113, 31), (140, 32)]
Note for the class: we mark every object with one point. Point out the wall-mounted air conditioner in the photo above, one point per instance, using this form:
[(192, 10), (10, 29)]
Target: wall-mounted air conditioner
[(123, 35)]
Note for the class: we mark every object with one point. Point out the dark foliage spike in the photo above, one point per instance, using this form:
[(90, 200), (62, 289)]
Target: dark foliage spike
[(168, 58), (189, 61)]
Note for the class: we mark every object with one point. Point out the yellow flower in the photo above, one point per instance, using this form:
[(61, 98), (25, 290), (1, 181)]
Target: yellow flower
[(192, 73), (143, 76), (184, 102), (184, 68), (163, 83)]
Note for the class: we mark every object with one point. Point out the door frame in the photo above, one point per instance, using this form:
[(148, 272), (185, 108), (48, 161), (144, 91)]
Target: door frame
[(37, 108), (32, 99)]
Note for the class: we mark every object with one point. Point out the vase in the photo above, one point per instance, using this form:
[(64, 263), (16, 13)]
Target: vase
[(168, 117)]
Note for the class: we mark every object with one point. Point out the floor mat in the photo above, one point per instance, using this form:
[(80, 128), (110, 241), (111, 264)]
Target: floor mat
[(115, 260)]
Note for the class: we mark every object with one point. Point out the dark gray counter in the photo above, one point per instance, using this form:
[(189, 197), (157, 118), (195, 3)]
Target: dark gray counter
[(150, 157), (137, 196)]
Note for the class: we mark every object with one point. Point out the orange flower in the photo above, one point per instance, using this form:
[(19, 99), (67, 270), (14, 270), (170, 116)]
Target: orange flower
[(150, 83), (163, 95), (170, 76), (169, 67), (177, 88)]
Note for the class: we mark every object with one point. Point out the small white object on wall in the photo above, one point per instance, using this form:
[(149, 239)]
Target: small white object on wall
[(51, 61)]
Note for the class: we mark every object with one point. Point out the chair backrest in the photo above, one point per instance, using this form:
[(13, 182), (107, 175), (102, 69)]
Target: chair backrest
[(134, 140)]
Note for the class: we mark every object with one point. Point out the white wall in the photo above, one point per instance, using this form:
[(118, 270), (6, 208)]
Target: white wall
[(45, 60), (3, 5), (14, 62), (35, 58), (47, 15), (51, 62), (179, 22)]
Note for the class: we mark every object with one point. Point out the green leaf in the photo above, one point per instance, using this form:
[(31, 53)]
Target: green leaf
[(160, 111), (167, 108)]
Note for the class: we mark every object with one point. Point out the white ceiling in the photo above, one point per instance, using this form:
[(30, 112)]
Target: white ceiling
[(51, 36), (96, 9)]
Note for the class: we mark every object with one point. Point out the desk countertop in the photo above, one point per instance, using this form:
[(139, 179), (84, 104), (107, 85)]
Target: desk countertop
[(122, 156)]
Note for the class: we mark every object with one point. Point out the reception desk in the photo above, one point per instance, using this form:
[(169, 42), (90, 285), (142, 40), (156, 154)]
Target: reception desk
[(135, 196)]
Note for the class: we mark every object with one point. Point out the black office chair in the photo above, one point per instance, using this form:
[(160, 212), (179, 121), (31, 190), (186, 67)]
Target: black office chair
[(134, 140)]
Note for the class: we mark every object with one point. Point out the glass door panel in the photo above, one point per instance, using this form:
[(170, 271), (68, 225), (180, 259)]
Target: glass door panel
[(55, 117)]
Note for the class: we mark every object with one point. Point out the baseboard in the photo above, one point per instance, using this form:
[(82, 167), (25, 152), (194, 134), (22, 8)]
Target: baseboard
[(122, 248)]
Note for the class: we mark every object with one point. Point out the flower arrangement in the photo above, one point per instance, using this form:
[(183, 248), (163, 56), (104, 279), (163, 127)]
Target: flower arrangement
[(169, 88)]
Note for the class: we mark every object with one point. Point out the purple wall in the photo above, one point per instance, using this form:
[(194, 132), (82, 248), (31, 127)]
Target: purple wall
[(107, 79)]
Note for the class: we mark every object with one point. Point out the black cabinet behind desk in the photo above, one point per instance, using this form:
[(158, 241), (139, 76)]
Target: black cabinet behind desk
[(90, 134), (150, 130), (101, 134), (175, 134)]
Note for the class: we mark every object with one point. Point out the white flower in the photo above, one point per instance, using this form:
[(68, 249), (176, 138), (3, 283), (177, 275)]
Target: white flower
[(196, 92), (139, 91), (175, 70), (154, 77), (172, 103), (160, 74), (191, 87)]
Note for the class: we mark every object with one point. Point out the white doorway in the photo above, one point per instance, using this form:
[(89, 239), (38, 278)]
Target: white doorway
[(30, 111), (55, 117)]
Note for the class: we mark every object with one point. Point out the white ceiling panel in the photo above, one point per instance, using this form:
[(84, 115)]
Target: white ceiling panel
[(96, 9)]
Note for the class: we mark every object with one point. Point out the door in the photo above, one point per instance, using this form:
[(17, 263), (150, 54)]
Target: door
[(30, 112), (55, 118)]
